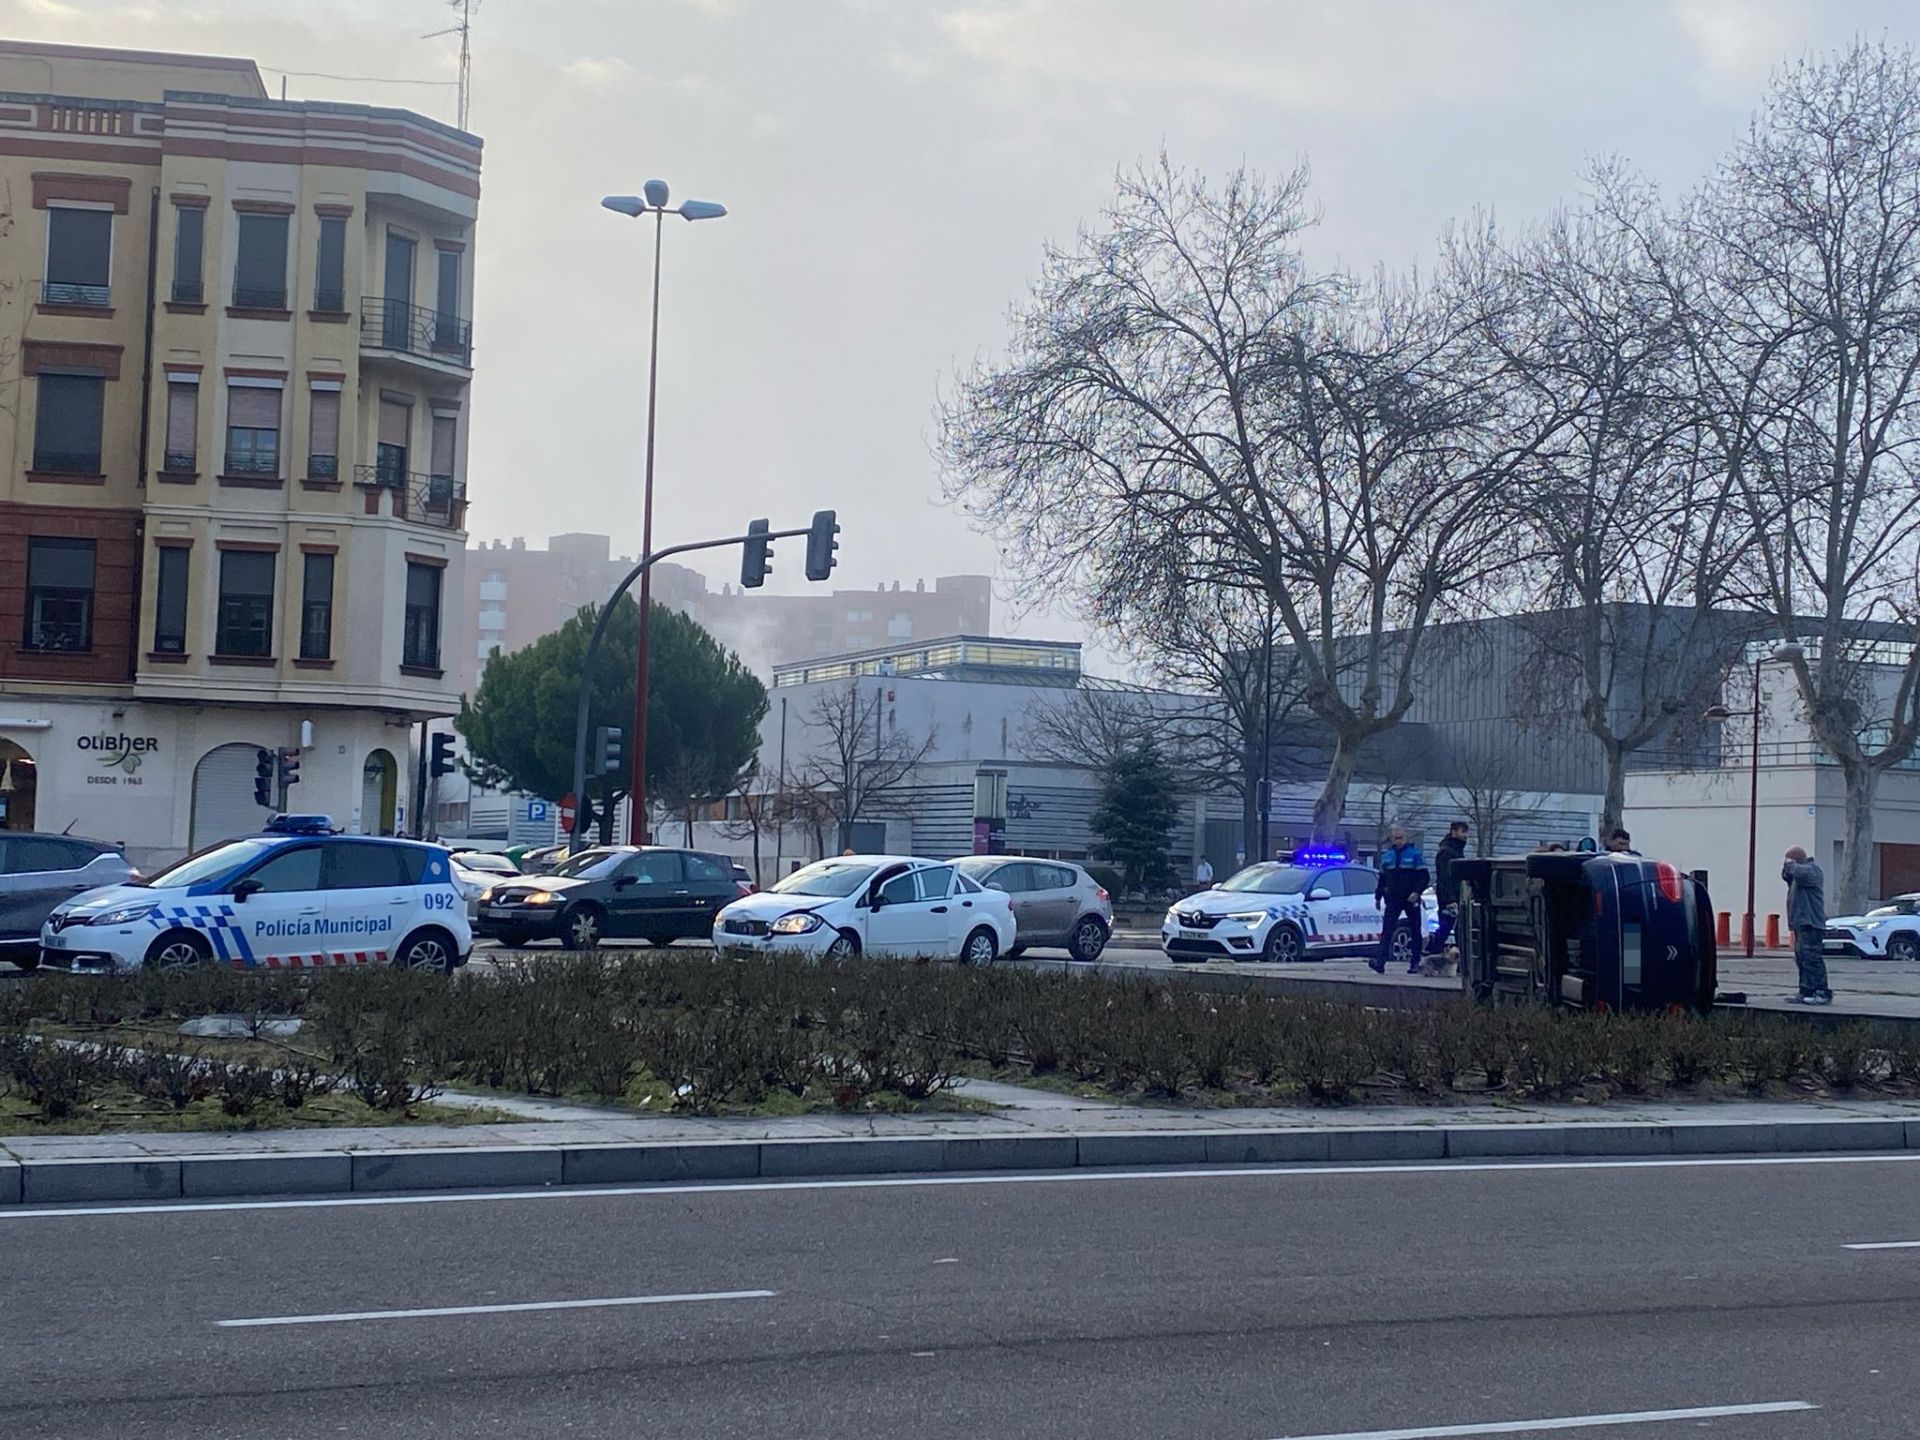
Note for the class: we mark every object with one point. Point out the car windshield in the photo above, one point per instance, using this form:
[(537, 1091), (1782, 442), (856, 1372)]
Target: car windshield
[(590, 864), (1270, 880), (209, 864), (826, 877)]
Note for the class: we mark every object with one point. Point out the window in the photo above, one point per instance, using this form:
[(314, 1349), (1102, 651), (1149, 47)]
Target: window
[(930, 883), (1014, 879), (253, 430), (1052, 877), (440, 460), (323, 435), (246, 603), (653, 867), (420, 644), (260, 268), (357, 865), (170, 600), (390, 450), (79, 254), (67, 423), (316, 608), (330, 273), (446, 315), (709, 869), (289, 872), (189, 245), (39, 854), (59, 594), (183, 426)]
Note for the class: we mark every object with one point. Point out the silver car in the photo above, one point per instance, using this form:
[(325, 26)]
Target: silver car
[(38, 872), (1056, 904)]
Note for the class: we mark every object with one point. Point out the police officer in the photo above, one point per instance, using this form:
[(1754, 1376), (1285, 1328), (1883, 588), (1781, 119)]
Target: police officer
[(1403, 877)]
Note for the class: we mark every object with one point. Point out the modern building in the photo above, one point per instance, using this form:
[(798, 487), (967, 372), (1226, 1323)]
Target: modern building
[(515, 594), (233, 498)]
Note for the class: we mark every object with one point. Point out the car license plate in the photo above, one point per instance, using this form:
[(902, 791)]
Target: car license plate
[(55, 942), (1193, 934)]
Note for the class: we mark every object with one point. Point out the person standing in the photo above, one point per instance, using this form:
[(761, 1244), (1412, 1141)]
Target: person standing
[(1807, 918), (1203, 874), (1446, 890), (1403, 879), (1620, 843)]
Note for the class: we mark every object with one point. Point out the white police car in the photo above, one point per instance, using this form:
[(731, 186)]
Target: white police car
[(1309, 908), (309, 899)]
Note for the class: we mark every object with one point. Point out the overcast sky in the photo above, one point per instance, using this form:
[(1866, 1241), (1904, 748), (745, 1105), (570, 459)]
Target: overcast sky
[(893, 168)]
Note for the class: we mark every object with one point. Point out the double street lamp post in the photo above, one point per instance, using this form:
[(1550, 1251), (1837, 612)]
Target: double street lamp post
[(652, 201)]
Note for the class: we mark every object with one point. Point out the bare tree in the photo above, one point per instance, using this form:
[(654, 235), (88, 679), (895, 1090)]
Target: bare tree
[(1483, 794), (1086, 727), (1798, 269), (858, 761), (751, 808)]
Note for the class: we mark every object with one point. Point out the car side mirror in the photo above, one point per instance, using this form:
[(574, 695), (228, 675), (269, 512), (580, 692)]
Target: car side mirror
[(245, 888), (1319, 894), (875, 901)]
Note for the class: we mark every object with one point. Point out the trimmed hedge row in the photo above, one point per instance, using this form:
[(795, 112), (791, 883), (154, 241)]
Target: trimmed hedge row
[(717, 1034)]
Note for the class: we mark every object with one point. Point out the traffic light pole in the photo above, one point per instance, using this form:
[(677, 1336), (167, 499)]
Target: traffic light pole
[(639, 758)]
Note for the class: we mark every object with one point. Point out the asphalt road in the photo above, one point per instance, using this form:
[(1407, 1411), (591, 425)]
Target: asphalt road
[(1661, 1298)]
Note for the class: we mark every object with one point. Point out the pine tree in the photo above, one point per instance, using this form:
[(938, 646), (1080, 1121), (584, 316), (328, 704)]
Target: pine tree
[(1135, 817)]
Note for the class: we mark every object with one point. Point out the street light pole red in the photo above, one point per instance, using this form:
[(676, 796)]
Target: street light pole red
[(1753, 813), (637, 792)]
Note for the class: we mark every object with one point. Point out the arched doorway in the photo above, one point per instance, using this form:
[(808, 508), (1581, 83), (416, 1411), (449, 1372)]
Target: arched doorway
[(19, 780), (379, 793), (223, 803)]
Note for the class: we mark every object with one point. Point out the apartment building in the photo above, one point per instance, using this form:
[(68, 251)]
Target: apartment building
[(515, 594), (235, 344)]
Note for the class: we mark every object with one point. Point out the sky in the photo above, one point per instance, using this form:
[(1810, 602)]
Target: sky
[(893, 169)]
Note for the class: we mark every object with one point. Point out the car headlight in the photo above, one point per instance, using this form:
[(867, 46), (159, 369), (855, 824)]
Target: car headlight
[(122, 915), (486, 896), (1252, 917), (543, 897), (804, 922)]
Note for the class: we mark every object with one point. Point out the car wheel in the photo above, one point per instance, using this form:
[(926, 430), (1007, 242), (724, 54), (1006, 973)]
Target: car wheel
[(980, 948), (1088, 940), (845, 946), (1285, 945), (581, 928), (1404, 953), (428, 950), (179, 950), (1903, 947)]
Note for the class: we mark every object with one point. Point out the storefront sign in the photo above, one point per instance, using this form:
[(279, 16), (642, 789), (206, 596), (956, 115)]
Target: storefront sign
[(119, 756)]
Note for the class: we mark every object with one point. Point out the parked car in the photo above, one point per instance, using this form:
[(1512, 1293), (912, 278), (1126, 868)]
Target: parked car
[(650, 892), (1056, 904), (872, 904), (486, 861), (39, 872), (273, 901), (542, 861), (1889, 931), (1316, 906)]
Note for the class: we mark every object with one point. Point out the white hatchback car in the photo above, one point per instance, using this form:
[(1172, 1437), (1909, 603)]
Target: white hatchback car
[(871, 904)]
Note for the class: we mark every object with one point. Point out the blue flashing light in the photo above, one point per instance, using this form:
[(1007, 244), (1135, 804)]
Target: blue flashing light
[(302, 825), (1320, 855)]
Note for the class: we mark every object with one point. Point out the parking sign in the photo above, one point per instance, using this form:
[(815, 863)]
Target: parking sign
[(536, 812)]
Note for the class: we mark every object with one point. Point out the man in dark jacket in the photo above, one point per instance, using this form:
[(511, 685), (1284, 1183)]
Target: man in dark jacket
[(1403, 878), (1446, 890), (1807, 917)]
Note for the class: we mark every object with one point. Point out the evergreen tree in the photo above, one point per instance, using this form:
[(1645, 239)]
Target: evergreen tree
[(1135, 816)]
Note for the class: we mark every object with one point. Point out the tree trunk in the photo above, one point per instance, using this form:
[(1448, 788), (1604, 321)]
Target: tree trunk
[(1332, 803), (1613, 803), (1852, 890)]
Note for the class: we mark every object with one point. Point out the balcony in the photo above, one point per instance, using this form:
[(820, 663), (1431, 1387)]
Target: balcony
[(424, 499), (416, 332)]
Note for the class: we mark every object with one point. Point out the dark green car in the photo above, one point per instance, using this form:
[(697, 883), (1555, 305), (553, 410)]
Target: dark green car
[(615, 892)]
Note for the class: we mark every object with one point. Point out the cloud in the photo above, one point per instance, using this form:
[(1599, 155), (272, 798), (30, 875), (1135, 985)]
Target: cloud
[(599, 70), (1738, 43)]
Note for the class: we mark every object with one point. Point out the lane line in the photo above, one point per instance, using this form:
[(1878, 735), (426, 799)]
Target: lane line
[(914, 1182), (1570, 1422), (615, 1302), (1886, 1245)]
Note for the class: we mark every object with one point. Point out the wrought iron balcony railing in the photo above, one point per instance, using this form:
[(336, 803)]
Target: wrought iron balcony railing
[(67, 462), (252, 464), (429, 499), (330, 299), (178, 462), (260, 297), (189, 292), (71, 292), (415, 330), (323, 467)]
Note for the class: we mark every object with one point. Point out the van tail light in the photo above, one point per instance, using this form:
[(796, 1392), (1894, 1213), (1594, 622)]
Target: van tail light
[(1668, 878)]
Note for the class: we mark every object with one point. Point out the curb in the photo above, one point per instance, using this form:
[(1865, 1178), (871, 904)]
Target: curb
[(333, 1172)]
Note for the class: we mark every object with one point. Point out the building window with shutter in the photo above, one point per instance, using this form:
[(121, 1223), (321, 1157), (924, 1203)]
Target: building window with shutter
[(316, 608), (420, 641), (67, 423), (253, 431), (323, 432), (260, 264), (79, 257), (390, 453), (246, 604), (189, 249), (440, 468), (448, 334), (330, 273), (59, 594), (183, 425), (170, 600)]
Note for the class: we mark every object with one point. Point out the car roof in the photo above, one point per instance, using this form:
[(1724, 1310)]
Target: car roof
[(350, 839), (103, 845)]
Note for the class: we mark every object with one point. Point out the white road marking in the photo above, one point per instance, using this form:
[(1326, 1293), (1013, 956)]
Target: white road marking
[(616, 1302), (913, 1182), (1570, 1422), (1886, 1245)]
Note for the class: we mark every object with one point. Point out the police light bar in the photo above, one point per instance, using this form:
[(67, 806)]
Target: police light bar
[(1319, 855), (302, 825)]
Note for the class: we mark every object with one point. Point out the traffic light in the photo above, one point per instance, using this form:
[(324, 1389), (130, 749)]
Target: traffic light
[(263, 772), (288, 769), (607, 744), (757, 558), (821, 545), (441, 752)]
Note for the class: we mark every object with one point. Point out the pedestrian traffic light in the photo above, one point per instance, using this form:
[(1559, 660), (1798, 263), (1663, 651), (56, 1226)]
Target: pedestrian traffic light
[(287, 770), (821, 545), (607, 746), (263, 772), (756, 559), (442, 756)]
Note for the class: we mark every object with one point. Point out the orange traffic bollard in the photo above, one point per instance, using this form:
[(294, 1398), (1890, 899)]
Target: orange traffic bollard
[(1723, 931), (1773, 932)]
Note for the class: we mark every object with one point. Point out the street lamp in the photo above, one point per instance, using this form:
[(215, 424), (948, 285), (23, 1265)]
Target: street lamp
[(1788, 651), (652, 201)]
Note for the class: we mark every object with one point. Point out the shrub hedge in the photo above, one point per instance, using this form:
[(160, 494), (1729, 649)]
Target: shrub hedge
[(704, 1033)]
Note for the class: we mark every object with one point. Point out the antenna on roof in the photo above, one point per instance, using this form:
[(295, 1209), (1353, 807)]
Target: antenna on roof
[(465, 31)]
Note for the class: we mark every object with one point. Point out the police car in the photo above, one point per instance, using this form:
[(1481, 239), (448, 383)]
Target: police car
[(301, 898), (1315, 905)]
